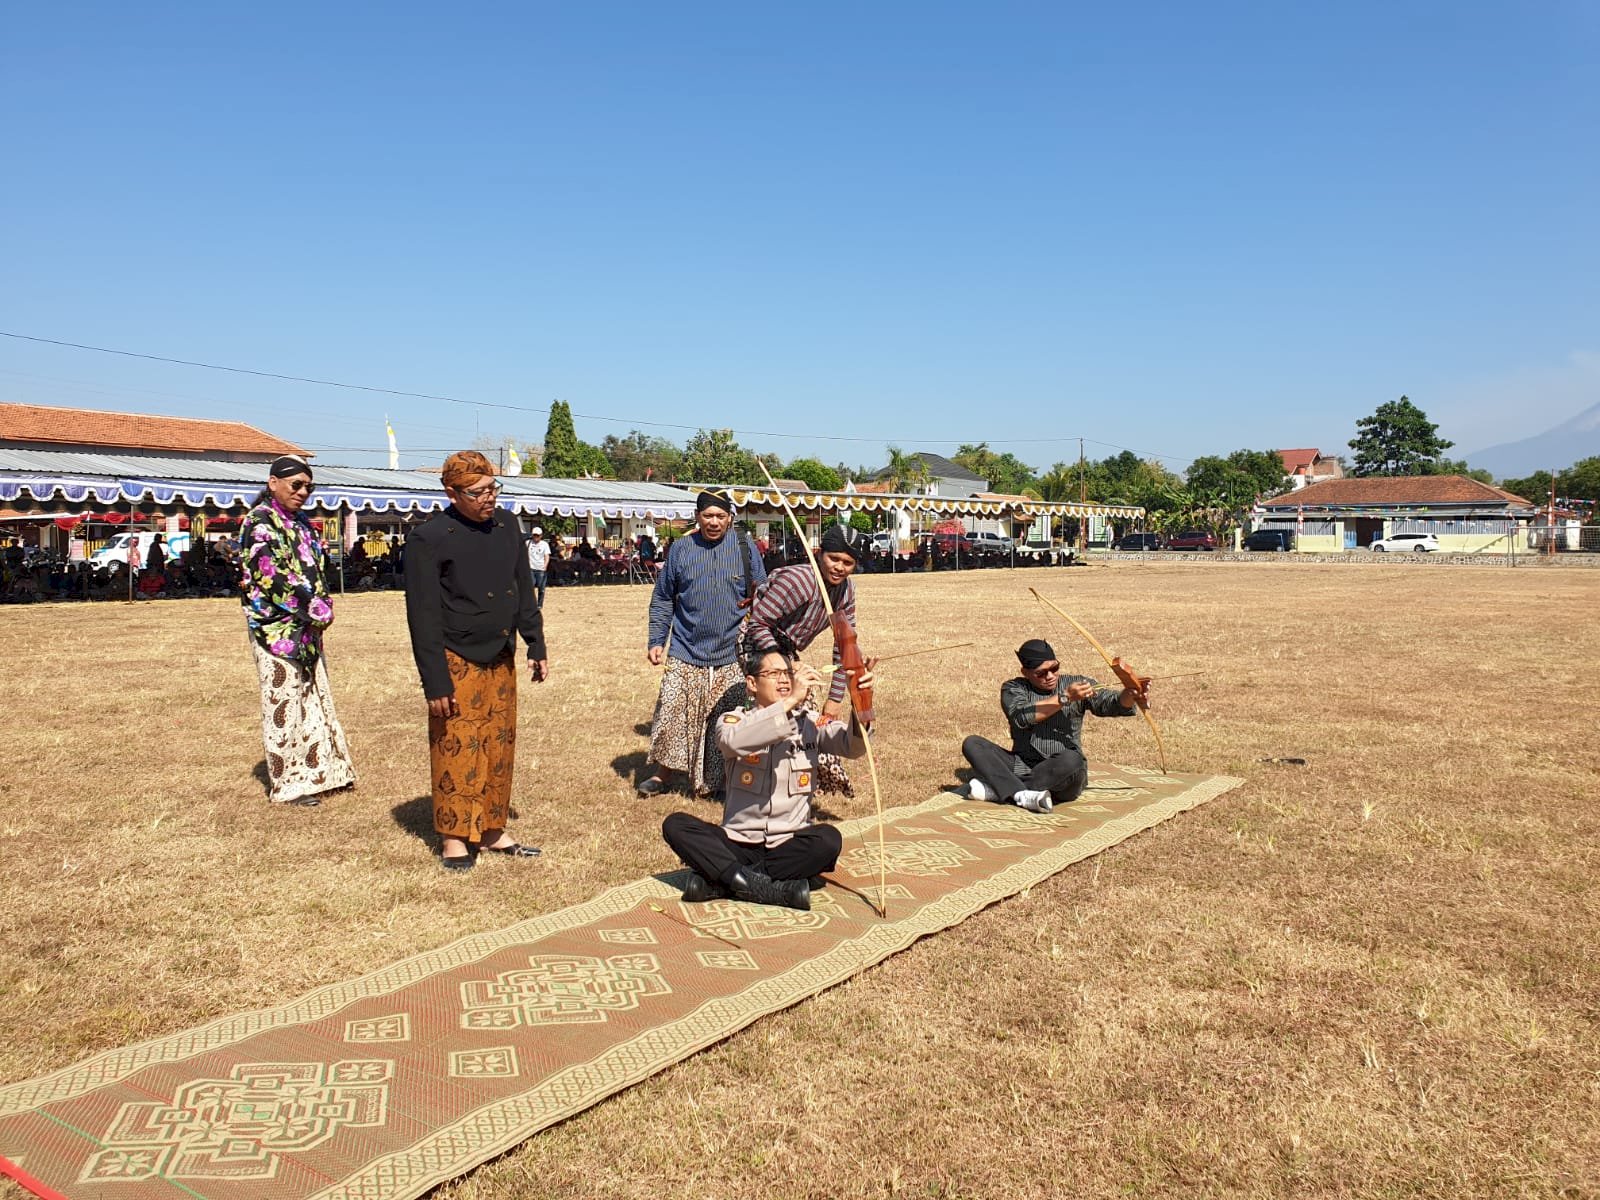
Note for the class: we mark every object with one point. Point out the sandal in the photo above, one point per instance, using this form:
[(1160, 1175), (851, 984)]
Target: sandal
[(650, 788), (515, 850), (462, 862)]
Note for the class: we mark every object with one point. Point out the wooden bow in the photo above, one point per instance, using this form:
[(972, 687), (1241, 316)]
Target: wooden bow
[(860, 698), (1139, 685)]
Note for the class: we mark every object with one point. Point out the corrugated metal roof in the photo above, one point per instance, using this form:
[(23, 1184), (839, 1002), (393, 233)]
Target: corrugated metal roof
[(64, 462), (65, 476)]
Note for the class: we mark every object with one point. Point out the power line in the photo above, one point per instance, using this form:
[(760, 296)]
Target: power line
[(520, 408)]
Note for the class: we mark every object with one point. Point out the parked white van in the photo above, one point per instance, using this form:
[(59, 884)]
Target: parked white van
[(116, 550)]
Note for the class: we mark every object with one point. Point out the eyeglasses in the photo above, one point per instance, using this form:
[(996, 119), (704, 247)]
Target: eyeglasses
[(302, 485), (481, 493), (776, 674), (1046, 669)]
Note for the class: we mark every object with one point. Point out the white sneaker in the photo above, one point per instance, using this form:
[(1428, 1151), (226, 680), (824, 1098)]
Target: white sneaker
[(978, 790), (1038, 802)]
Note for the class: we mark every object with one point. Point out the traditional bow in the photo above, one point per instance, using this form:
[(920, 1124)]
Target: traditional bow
[(856, 698), (1139, 685)]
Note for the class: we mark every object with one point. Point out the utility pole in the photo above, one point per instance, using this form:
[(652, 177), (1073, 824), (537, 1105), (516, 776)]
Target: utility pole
[(1083, 498), (1550, 519)]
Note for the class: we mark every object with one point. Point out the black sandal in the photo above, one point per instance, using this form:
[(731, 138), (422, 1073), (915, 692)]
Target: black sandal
[(515, 850)]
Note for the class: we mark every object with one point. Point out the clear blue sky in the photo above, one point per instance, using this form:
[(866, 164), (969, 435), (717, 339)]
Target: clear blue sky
[(1182, 229)]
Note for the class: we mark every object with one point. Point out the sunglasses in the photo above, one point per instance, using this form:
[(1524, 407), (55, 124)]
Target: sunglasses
[(302, 485)]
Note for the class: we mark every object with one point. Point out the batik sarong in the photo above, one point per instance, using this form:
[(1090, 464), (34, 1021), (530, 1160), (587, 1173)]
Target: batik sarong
[(691, 698), (471, 756), (305, 746)]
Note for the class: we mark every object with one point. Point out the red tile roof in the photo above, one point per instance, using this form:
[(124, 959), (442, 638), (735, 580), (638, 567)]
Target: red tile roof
[(1294, 460), (86, 428), (1397, 489)]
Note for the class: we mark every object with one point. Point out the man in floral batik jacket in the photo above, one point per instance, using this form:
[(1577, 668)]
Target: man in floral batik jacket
[(287, 607)]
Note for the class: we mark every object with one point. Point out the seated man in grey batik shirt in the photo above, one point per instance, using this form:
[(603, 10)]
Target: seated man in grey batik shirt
[(1044, 708)]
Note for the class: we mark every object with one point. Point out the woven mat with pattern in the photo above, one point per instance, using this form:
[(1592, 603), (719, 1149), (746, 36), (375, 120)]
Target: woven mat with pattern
[(388, 1085)]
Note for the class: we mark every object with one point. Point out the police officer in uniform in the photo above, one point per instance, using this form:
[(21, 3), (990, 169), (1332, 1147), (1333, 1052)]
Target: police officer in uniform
[(767, 848)]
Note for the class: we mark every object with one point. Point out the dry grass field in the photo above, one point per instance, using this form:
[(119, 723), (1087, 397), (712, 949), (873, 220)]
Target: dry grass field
[(1370, 975)]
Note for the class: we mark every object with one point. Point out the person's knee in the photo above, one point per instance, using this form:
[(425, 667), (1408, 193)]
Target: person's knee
[(829, 840), (971, 745), (675, 825)]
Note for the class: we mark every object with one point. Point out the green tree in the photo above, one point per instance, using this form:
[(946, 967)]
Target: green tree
[(905, 472), (1005, 472), (1580, 481), (713, 456), (818, 476), (861, 521), (1236, 481), (1060, 483), (565, 457), (1458, 466), (1398, 439), (641, 456), (562, 458)]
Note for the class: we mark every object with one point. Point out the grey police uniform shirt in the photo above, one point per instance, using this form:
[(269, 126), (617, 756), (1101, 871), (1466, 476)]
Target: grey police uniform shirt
[(772, 770)]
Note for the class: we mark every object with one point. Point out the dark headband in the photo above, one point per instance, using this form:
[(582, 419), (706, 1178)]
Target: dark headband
[(1034, 653), (287, 465)]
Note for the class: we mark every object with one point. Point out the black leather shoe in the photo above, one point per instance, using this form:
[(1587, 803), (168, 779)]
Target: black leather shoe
[(463, 863), (763, 889), (699, 889)]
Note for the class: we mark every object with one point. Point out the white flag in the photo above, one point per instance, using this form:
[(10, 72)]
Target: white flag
[(513, 460), (394, 450)]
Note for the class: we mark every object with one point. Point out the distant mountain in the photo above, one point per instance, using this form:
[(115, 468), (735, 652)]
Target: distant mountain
[(1549, 451)]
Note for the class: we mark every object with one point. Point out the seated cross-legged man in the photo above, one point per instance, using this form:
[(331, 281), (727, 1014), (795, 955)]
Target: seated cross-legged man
[(1045, 765), (767, 848)]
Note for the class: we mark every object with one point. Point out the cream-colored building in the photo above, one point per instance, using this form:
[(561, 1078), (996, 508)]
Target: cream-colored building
[(1467, 517)]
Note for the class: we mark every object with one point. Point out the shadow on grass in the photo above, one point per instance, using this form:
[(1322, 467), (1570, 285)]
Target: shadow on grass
[(262, 776), (642, 728), (631, 768), (416, 818)]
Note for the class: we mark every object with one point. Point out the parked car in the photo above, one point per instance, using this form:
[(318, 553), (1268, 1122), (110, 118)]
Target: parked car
[(946, 543), (991, 543), (116, 550), (1270, 539), (884, 542), (1137, 541), (1421, 543), (1193, 539)]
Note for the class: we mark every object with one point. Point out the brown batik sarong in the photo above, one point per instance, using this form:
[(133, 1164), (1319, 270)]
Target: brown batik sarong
[(472, 755), (300, 732), (691, 698)]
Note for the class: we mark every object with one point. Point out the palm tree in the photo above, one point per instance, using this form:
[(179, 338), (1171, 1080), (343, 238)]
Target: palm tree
[(905, 471)]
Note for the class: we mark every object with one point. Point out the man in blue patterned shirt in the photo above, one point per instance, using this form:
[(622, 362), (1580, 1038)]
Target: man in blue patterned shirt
[(701, 593), (1046, 765)]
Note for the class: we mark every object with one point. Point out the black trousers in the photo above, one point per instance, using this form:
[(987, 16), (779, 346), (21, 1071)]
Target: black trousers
[(708, 849), (1063, 775)]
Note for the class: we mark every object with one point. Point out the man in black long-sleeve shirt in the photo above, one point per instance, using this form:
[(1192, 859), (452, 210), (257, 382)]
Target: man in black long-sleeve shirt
[(468, 593), (1046, 765)]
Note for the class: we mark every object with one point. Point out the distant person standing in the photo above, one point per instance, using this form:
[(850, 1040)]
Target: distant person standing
[(539, 563), (468, 595), (287, 608), (699, 600)]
